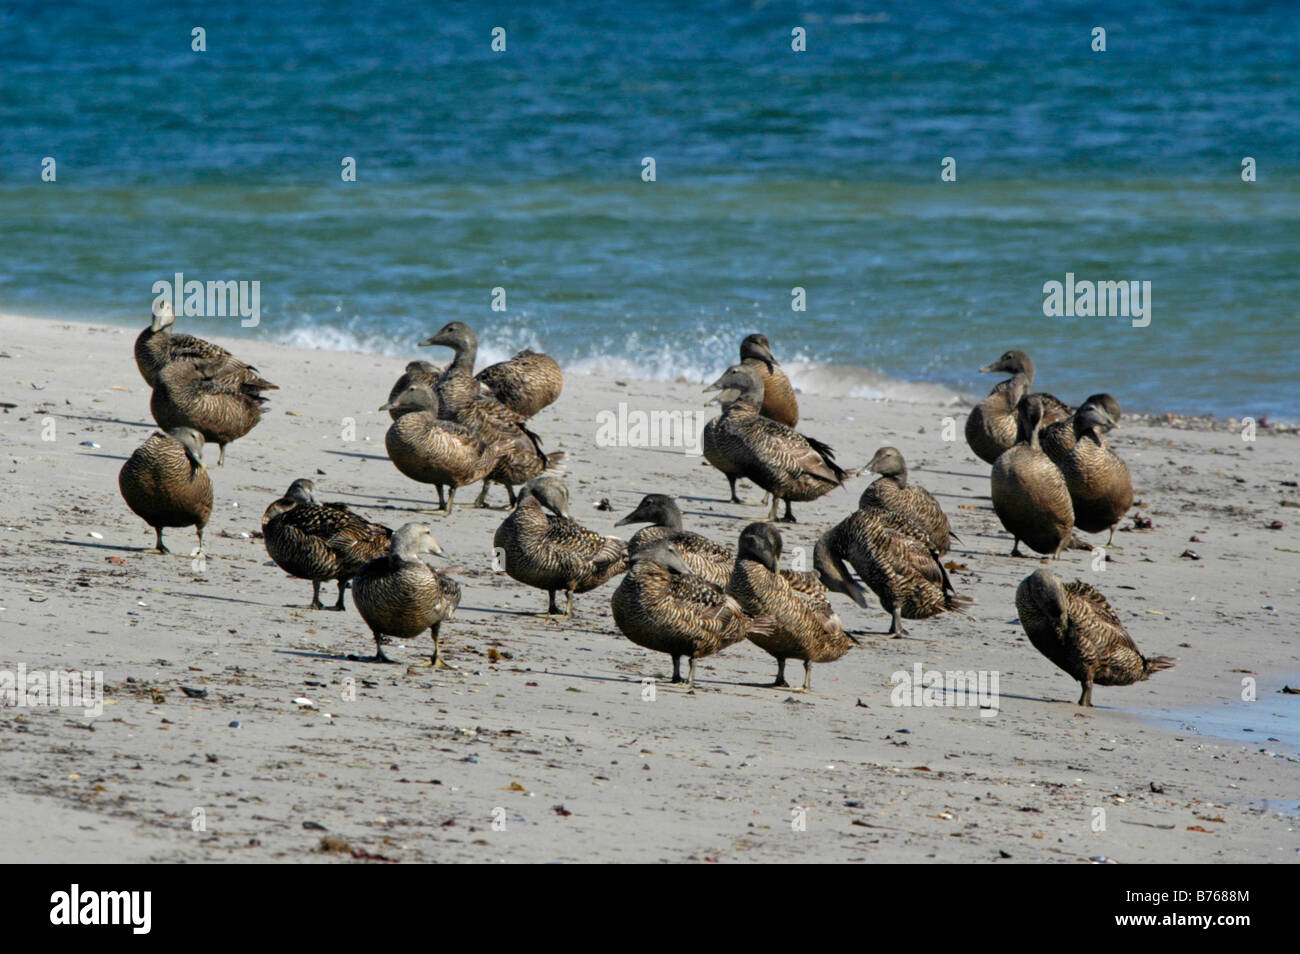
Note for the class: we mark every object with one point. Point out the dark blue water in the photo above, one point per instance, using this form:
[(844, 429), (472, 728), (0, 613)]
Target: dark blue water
[(775, 169)]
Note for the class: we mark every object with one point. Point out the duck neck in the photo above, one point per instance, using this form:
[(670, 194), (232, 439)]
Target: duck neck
[(463, 362)]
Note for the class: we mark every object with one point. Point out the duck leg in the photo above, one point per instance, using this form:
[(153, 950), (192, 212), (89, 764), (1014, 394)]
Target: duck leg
[(732, 481), (896, 628), (436, 661), (343, 585), (315, 595), (677, 669), (514, 498), (789, 514), (379, 650), (771, 513), (1015, 549), (1111, 538), (451, 497), (159, 545), (553, 609), (481, 500), (221, 458), (690, 679), (568, 606), (442, 501), (807, 675), (1085, 698), (779, 682)]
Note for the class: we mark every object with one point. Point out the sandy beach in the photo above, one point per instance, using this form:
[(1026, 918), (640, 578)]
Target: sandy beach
[(545, 744)]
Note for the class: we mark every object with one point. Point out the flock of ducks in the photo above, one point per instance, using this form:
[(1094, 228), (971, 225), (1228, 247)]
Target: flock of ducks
[(680, 593)]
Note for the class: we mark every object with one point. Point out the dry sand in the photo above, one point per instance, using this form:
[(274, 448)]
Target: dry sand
[(553, 729)]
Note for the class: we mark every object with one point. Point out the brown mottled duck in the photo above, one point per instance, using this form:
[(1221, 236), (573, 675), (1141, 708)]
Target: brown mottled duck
[(192, 393), (1074, 626), (991, 427), (554, 552), (1101, 490), (895, 558), (1057, 439), (461, 399), (661, 605), (526, 383), (433, 451), (803, 626), (891, 491), (1029, 494), (399, 595), (165, 483), (787, 464), (156, 347), (319, 542)]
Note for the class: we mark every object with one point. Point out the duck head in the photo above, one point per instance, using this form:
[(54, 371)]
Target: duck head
[(744, 381), (760, 542), (658, 510)]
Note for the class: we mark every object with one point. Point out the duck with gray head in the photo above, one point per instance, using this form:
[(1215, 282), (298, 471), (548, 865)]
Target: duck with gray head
[(1030, 496), (1101, 490), (319, 542), (1074, 626), (399, 595), (661, 605), (803, 626), (779, 402), (461, 399), (195, 394), (526, 383), (991, 426), (891, 491), (1057, 439), (417, 373), (156, 347), (742, 443), (554, 552), (433, 451), (165, 483)]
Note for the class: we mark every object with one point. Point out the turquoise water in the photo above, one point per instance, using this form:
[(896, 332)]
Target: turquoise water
[(774, 169)]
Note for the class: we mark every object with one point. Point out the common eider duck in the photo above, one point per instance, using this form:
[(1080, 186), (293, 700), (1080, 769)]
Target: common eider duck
[(803, 626), (789, 465), (1029, 493), (194, 393), (554, 552), (399, 595), (1074, 626), (779, 402), (891, 491), (165, 483), (1101, 490), (526, 383), (156, 347), (661, 605), (319, 542)]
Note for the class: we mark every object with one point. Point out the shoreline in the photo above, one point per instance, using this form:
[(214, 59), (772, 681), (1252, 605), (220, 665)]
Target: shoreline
[(541, 714), (834, 380)]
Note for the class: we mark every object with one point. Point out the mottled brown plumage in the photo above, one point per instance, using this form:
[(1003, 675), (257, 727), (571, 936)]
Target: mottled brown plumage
[(742, 443), (803, 626), (319, 542), (1057, 439), (400, 595), (1101, 490), (1074, 626), (461, 399), (1029, 493), (779, 401), (194, 394), (526, 383), (156, 347), (433, 451), (417, 373), (164, 483), (661, 605), (892, 491), (554, 552), (892, 556), (704, 558)]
